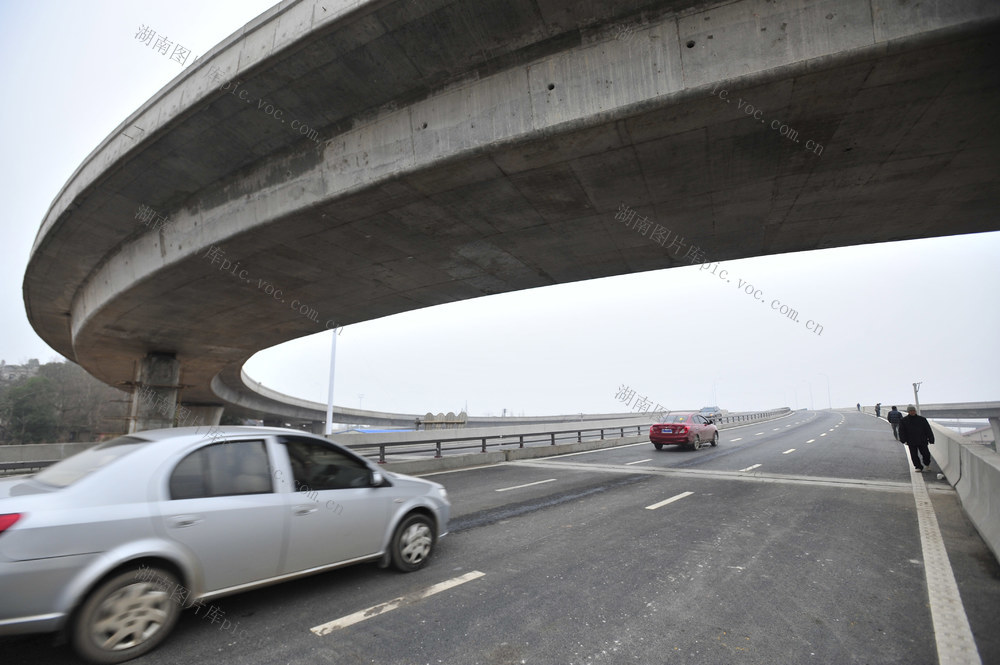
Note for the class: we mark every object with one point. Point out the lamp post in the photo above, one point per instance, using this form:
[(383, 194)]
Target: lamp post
[(829, 402), (916, 389)]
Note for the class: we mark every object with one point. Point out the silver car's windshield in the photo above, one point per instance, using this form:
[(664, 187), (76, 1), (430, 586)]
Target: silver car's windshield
[(68, 471)]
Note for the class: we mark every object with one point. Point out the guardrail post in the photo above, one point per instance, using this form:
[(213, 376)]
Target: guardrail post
[(437, 454), (521, 445), (621, 432), (381, 454), (484, 444), (602, 434), (553, 435), (579, 436)]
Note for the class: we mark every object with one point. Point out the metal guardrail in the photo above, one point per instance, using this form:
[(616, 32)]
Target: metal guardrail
[(748, 417), (440, 444), (484, 441), (443, 439)]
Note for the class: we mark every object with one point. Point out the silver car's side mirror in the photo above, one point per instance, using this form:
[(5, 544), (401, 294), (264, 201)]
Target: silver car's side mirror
[(376, 479)]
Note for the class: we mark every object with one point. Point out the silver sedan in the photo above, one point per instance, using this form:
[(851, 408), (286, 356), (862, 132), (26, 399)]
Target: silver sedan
[(110, 544)]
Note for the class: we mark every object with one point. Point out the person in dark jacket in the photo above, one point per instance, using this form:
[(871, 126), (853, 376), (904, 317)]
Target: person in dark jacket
[(916, 433), (894, 417), (878, 410)]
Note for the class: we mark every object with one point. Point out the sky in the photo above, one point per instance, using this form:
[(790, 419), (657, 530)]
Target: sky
[(890, 314)]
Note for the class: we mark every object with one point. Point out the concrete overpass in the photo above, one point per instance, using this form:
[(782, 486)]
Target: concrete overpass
[(988, 410), (339, 161), (257, 398)]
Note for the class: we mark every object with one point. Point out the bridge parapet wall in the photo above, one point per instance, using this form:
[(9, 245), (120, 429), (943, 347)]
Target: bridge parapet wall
[(974, 471)]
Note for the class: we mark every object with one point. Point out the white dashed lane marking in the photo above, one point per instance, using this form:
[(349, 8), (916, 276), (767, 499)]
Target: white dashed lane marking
[(374, 611), (739, 438), (751, 468), (517, 487), (639, 461), (810, 440), (670, 500)]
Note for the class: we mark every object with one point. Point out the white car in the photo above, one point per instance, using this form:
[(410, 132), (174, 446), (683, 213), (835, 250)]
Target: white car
[(110, 544)]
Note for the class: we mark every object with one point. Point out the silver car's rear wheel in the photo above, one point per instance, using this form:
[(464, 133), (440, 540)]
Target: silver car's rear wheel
[(412, 543), (126, 616)]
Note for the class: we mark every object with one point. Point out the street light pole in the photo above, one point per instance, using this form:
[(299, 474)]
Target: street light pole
[(829, 402), (916, 389)]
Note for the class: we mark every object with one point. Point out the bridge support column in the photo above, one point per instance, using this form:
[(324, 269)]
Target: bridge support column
[(199, 415), (154, 397)]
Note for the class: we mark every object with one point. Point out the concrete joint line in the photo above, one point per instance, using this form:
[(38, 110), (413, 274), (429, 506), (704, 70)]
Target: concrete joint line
[(878, 486), (952, 633)]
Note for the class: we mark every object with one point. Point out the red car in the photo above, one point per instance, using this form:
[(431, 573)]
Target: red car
[(684, 429)]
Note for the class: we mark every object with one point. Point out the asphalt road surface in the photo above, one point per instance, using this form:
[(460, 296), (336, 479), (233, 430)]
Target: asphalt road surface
[(794, 541)]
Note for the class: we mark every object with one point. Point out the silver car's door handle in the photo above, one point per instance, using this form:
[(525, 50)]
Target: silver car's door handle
[(304, 510), (181, 521)]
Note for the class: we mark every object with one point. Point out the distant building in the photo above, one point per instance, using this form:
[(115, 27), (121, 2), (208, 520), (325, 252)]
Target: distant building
[(18, 372)]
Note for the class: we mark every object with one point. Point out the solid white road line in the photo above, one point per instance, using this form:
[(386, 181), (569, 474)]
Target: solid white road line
[(751, 468), (952, 633), (358, 617), (638, 461), (517, 487), (790, 450), (670, 500)]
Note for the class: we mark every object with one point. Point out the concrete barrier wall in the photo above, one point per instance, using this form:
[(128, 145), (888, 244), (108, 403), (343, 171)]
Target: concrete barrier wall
[(41, 452), (974, 471)]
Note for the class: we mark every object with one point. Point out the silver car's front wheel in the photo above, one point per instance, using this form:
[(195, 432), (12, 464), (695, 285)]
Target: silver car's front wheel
[(126, 616), (413, 543)]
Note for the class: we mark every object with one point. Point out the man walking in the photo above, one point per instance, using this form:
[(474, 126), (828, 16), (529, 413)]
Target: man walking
[(916, 433), (878, 410), (894, 417)]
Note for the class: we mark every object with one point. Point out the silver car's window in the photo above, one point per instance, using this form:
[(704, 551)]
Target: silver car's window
[(72, 469), (222, 469), (317, 466)]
